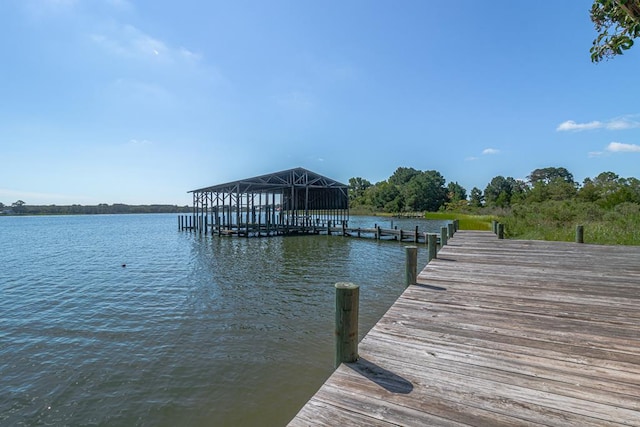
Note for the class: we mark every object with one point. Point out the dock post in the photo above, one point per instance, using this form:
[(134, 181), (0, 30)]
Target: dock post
[(432, 238), (378, 233), (344, 229), (328, 227), (415, 236), (411, 265), (580, 234), (494, 226), (443, 236), (450, 229), (500, 231), (456, 225), (347, 298)]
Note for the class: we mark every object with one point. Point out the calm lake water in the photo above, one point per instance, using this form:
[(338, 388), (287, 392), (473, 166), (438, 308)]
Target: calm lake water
[(195, 330)]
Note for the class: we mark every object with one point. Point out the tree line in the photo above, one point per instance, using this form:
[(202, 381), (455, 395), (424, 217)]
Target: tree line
[(19, 207), (410, 190)]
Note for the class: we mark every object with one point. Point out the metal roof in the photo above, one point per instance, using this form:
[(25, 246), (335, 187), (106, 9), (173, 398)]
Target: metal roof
[(297, 177)]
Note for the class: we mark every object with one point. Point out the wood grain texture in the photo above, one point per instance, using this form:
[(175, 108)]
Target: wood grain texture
[(499, 333)]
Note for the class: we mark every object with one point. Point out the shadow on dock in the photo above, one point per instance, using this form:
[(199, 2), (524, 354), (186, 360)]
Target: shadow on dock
[(386, 379)]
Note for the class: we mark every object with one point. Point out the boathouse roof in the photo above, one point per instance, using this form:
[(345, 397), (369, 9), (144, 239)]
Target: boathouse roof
[(297, 177)]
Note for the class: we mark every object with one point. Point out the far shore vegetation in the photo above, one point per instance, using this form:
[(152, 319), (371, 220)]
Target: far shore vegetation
[(21, 208), (548, 205)]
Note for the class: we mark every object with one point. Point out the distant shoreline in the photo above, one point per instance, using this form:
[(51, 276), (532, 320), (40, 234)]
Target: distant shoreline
[(103, 208)]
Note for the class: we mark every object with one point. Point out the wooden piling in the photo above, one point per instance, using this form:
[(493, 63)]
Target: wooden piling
[(450, 229), (347, 299), (431, 245), (494, 226), (500, 231), (579, 234), (411, 265), (444, 231), (415, 236)]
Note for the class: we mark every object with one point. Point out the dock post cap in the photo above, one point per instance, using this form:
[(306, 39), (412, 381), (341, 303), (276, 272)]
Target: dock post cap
[(346, 285)]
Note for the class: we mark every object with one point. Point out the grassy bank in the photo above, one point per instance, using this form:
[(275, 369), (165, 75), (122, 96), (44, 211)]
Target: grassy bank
[(558, 220), (466, 221), (555, 221)]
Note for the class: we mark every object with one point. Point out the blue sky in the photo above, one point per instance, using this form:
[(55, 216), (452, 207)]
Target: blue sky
[(139, 101)]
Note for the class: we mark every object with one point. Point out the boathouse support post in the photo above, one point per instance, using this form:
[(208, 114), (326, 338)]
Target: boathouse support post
[(500, 231), (443, 236), (411, 265), (431, 245), (580, 234), (346, 332)]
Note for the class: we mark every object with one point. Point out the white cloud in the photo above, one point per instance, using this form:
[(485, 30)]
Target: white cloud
[(471, 158), (618, 123), (489, 151), (592, 154), (619, 147), (623, 123), (128, 41), (570, 125)]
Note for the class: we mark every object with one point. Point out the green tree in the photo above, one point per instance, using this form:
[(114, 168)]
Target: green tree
[(547, 175), (617, 23), (456, 192), (425, 191), (551, 184), (357, 188), (500, 191), (476, 199), (402, 176), (386, 196), (18, 206)]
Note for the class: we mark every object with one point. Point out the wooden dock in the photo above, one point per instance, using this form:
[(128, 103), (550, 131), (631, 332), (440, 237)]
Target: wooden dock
[(499, 333), (188, 222)]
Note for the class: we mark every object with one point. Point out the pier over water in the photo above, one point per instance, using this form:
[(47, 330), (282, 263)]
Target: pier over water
[(499, 332)]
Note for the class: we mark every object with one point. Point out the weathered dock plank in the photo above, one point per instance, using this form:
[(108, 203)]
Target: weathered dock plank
[(500, 332)]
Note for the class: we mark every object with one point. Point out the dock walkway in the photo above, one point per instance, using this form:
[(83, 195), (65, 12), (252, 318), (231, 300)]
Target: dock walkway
[(499, 333)]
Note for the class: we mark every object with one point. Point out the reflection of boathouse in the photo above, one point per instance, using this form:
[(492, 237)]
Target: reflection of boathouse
[(292, 201)]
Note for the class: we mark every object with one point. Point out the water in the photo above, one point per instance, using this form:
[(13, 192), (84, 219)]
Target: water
[(194, 330)]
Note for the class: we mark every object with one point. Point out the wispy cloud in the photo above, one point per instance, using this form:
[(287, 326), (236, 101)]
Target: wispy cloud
[(470, 158), (490, 151), (619, 123), (570, 125), (127, 41), (619, 147)]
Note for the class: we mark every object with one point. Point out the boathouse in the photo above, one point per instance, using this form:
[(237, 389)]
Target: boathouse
[(287, 202)]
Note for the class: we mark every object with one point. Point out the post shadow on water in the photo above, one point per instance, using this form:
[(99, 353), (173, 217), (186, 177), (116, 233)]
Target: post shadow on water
[(381, 376)]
